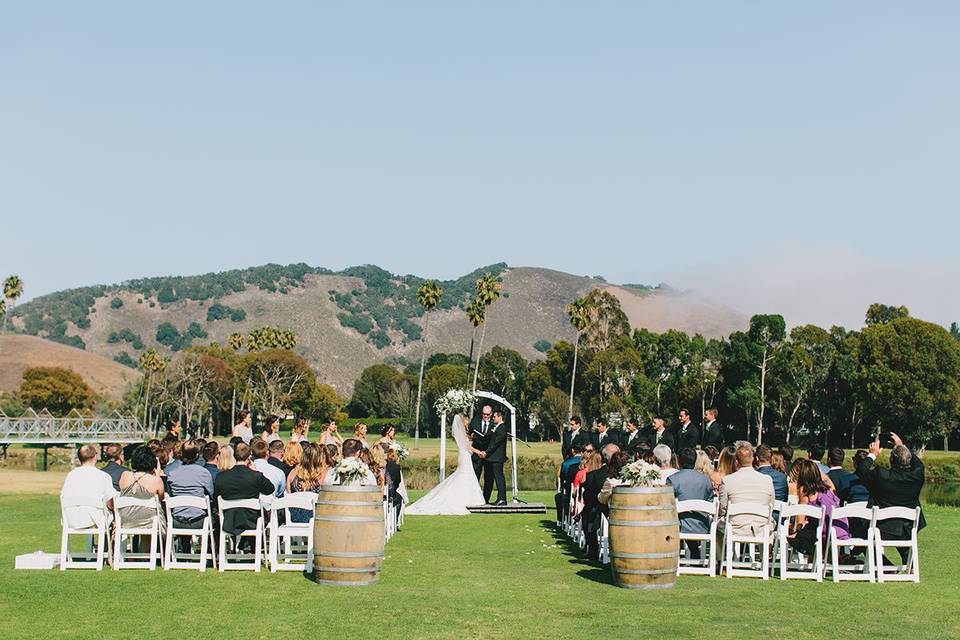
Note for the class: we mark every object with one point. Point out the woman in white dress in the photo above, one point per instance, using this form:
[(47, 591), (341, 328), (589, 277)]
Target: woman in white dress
[(460, 489)]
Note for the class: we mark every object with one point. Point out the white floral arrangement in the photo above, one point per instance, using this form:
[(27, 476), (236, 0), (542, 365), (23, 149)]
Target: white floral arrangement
[(350, 469), (402, 452), (456, 401), (641, 474)]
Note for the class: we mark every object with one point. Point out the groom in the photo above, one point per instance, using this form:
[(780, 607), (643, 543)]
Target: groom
[(493, 457)]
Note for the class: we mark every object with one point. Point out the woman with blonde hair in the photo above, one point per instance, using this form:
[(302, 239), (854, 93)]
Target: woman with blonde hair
[(226, 460), (703, 465), (726, 464), (292, 451), (377, 464), (306, 476)]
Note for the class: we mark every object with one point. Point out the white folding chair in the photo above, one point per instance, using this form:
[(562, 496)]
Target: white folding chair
[(706, 565), (793, 564), (732, 557), (97, 536), (863, 571), (189, 560), (132, 559), (604, 540), (910, 571), (287, 532), (241, 561)]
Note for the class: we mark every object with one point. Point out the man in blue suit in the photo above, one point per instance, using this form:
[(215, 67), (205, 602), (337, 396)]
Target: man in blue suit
[(691, 485), (764, 455)]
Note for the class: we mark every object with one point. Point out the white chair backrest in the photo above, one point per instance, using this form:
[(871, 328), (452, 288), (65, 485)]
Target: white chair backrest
[(266, 500), (83, 501), (906, 513), (174, 502), (793, 500), (808, 510), (748, 508), (299, 500), (855, 510), (245, 503), (779, 505), (700, 506), (121, 502)]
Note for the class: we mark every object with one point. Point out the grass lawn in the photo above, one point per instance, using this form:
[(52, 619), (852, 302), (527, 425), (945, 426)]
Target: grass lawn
[(459, 577)]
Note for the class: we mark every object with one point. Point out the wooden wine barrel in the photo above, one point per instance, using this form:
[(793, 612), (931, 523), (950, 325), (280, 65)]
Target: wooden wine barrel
[(644, 537), (348, 535)]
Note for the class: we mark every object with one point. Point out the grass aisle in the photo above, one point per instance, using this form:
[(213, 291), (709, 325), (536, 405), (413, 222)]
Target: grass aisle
[(460, 577)]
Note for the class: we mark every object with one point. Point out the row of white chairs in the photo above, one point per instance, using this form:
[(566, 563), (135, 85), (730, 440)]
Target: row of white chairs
[(289, 546), (768, 551)]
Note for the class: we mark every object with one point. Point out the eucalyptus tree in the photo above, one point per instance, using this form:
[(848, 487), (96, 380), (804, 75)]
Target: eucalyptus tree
[(235, 340), (428, 296)]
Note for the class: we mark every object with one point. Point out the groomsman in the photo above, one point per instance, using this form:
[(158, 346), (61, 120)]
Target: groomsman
[(688, 435), (712, 431), (602, 435), (660, 435), (494, 456), (632, 438), (481, 436), (573, 434)]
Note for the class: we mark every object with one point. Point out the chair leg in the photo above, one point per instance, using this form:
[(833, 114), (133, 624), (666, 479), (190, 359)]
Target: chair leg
[(915, 560), (203, 551), (222, 551), (258, 550)]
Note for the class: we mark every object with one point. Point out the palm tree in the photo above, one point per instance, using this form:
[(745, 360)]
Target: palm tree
[(428, 295), (12, 289), (151, 362), (489, 288), (580, 313), (476, 314)]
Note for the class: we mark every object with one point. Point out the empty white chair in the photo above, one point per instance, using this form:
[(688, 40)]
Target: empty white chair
[(904, 572), (732, 542), (123, 534), (240, 561), (604, 540), (174, 560), (793, 564), (290, 531), (97, 535), (706, 565), (863, 571)]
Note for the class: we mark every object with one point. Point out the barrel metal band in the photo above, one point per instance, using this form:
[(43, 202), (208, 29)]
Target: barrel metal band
[(357, 583), (653, 507), (348, 519), (646, 572), (650, 523), (338, 488), (671, 554), (348, 569), (348, 554), (351, 503)]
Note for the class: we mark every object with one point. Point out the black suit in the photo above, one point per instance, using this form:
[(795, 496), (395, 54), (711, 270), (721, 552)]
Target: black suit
[(629, 445), (894, 488), (712, 435), (393, 472), (493, 463), (687, 436), (610, 436), (665, 438), (481, 436), (592, 485), (239, 483), (582, 439)]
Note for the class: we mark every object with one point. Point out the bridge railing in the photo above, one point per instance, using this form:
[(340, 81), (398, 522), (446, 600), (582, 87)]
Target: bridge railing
[(44, 428)]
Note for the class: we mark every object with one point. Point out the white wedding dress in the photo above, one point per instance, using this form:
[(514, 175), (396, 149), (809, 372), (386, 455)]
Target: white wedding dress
[(459, 490)]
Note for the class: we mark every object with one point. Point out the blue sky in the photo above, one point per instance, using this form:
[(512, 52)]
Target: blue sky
[(792, 157)]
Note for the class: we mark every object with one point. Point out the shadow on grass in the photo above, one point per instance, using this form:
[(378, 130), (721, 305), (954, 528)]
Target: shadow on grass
[(592, 571)]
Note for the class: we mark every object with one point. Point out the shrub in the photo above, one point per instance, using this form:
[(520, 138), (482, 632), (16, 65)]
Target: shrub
[(116, 303)]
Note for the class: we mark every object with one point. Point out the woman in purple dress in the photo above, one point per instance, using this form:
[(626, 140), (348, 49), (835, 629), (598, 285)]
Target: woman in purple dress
[(812, 490)]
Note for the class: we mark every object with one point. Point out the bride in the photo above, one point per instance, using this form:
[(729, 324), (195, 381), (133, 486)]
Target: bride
[(459, 490)]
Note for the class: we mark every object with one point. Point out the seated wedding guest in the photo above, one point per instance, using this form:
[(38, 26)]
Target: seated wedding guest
[(898, 486), (142, 481), (85, 485), (726, 464), (856, 490), (259, 451), (351, 451), (332, 454), (235, 440), (189, 479), (646, 454), (275, 456), (270, 428), (290, 455), (328, 433), (778, 462), (815, 453), (787, 452), (746, 484), (690, 484), (211, 455), (812, 490), (238, 483), (377, 461), (172, 450), (568, 468), (664, 457), (360, 433), (590, 460), (299, 433), (838, 475), (243, 429), (114, 467), (617, 462), (201, 443), (306, 476), (764, 457), (225, 460), (591, 504), (712, 452), (703, 464)]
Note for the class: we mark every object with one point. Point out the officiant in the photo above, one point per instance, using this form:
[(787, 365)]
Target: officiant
[(481, 427)]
